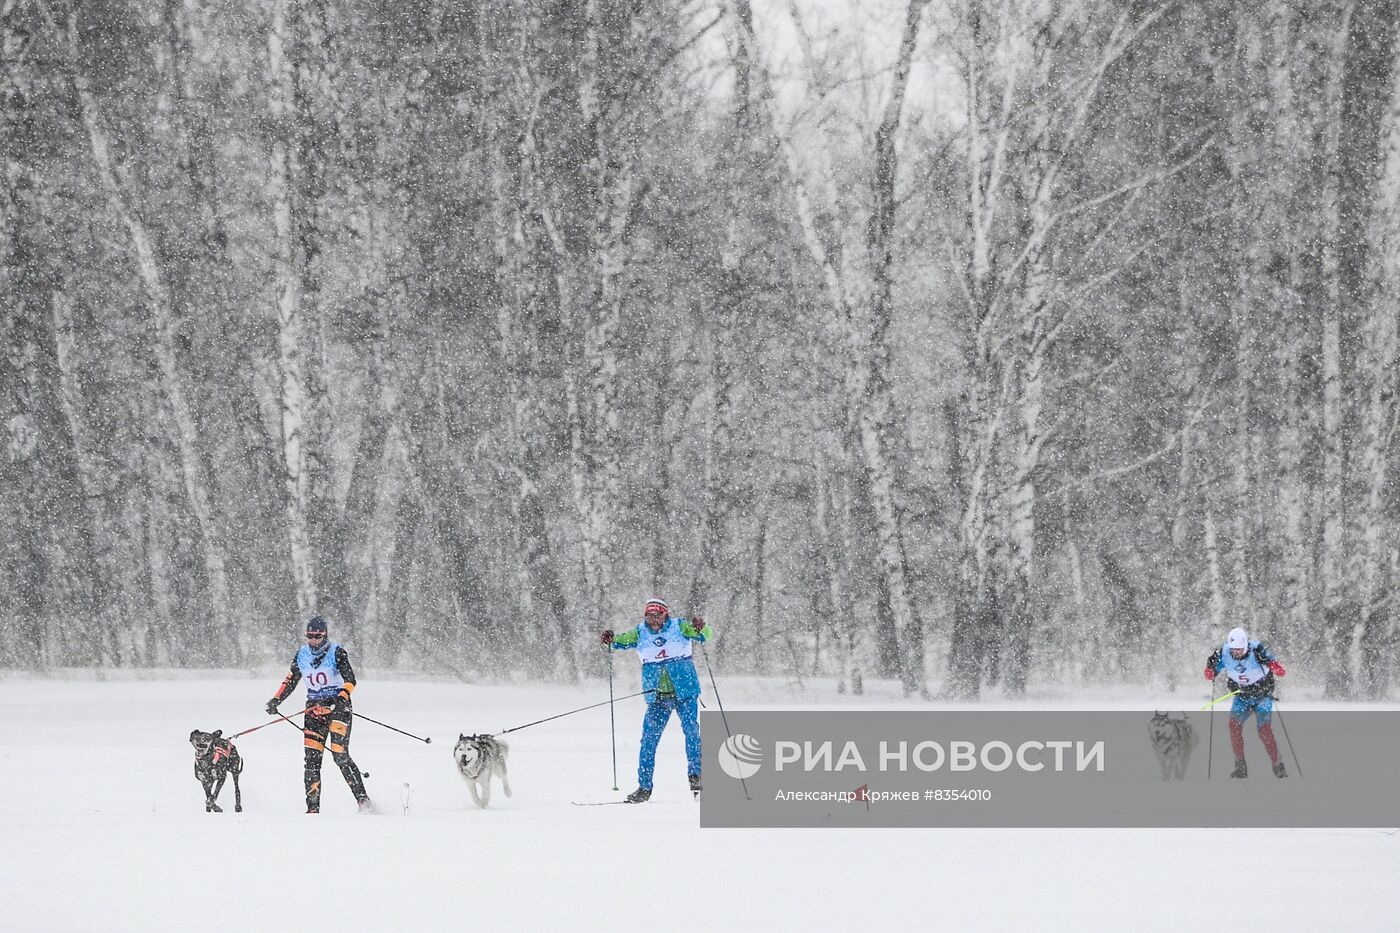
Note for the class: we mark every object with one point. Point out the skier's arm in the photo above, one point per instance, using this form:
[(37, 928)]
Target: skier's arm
[(1268, 660), (289, 683), (624, 640), (1213, 665), (347, 673), (697, 630)]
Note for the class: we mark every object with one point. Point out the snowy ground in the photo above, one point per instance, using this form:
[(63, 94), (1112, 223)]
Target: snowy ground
[(102, 828)]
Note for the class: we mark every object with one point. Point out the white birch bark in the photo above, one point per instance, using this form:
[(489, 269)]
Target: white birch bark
[(90, 471), (1036, 343), (1243, 457), (541, 599), (291, 363), (1279, 229), (878, 424), (989, 84), (1331, 500), (117, 187), (864, 313), (1214, 574), (1381, 348)]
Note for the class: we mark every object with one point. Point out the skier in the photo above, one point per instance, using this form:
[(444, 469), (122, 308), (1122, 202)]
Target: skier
[(1249, 665), (329, 682), (664, 643)]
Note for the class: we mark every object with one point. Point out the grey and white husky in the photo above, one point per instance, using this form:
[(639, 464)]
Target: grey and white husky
[(1172, 743), (478, 757)]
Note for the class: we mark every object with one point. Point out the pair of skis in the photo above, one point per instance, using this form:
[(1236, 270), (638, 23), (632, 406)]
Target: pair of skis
[(606, 803)]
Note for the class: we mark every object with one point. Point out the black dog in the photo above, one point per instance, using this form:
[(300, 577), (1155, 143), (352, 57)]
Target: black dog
[(215, 759)]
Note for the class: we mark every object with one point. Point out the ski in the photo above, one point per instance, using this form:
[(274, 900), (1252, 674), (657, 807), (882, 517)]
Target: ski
[(596, 803)]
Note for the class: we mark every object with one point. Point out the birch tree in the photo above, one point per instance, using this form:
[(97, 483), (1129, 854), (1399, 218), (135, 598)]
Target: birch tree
[(1369, 635), (859, 298), (118, 188)]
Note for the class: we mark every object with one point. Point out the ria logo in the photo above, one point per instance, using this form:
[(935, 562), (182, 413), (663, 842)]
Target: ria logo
[(740, 756)]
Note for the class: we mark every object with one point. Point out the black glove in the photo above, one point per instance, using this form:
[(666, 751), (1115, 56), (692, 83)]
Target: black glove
[(606, 636), (272, 707), (342, 700)]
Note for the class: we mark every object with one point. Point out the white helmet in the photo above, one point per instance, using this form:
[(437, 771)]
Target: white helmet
[(1238, 638)]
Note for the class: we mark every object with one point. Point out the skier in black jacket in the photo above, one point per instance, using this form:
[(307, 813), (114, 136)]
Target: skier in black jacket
[(330, 680)]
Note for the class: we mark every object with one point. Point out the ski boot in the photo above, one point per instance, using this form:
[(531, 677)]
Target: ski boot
[(1240, 770), (1279, 770), (694, 785), (640, 795), (313, 808), (366, 806)]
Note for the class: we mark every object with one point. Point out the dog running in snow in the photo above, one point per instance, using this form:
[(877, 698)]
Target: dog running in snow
[(215, 759), (477, 758), (1172, 743)]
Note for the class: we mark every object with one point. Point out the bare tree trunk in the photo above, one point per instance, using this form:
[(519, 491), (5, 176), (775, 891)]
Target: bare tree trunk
[(1332, 501), (865, 314), (98, 537), (1036, 343), (719, 424), (732, 299), (1279, 227), (291, 363), (834, 547), (186, 435), (878, 423), (1213, 571), (538, 590), (1177, 620), (1378, 417)]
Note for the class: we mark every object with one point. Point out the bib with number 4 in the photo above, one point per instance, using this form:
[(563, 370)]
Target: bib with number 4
[(662, 645)]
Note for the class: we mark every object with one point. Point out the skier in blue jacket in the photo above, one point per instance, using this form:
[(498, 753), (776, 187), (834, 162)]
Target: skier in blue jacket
[(664, 643)]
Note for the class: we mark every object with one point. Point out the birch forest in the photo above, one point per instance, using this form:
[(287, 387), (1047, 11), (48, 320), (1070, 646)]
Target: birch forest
[(983, 346)]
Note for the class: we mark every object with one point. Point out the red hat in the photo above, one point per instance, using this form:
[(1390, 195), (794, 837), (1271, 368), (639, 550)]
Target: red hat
[(658, 603)]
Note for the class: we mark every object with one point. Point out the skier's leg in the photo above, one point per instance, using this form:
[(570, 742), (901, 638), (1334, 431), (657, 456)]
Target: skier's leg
[(339, 744), (314, 728), (1239, 712), (1263, 718), (689, 713), (653, 724)]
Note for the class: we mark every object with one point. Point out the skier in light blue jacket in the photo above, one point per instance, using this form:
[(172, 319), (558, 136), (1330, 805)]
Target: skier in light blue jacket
[(664, 643)]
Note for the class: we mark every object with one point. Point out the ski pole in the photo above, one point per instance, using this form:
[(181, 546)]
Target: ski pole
[(287, 718), (571, 712), (612, 716), (1212, 703), (720, 702), (1210, 746), (1291, 750), (392, 729)]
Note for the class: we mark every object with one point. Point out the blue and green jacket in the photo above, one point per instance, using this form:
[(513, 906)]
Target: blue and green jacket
[(667, 667)]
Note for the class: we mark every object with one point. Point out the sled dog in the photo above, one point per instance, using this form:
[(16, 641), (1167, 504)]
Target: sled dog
[(1172, 743), (478, 757), (215, 759)]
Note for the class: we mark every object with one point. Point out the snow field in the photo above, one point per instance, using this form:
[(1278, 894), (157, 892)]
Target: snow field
[(102, 828)]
